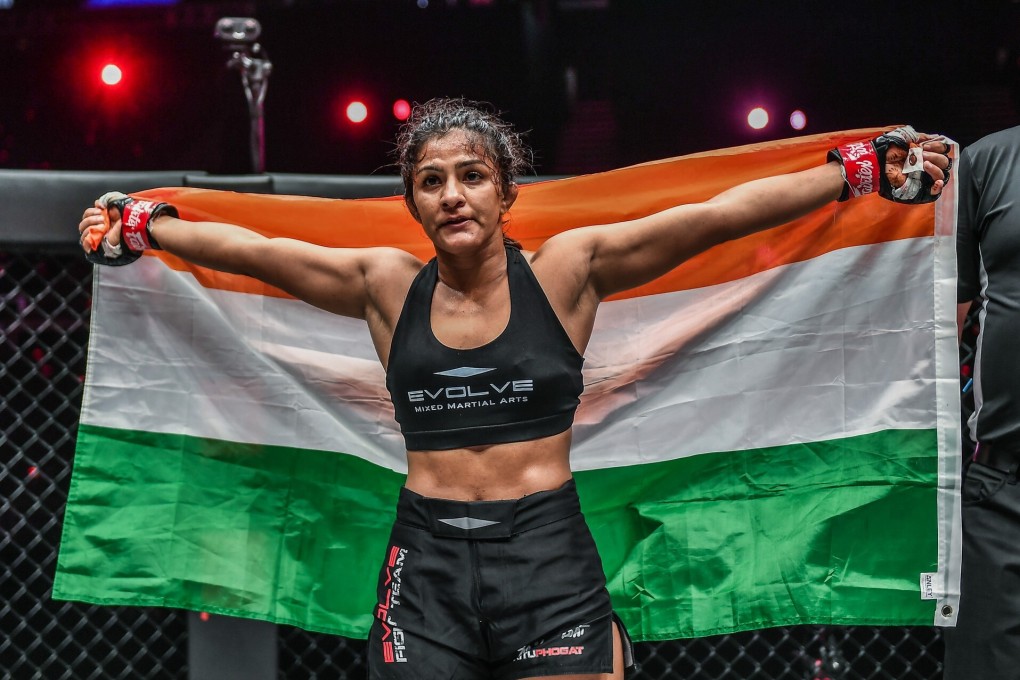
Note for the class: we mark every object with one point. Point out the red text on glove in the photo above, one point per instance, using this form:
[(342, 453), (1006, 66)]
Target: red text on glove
[(861, 164)]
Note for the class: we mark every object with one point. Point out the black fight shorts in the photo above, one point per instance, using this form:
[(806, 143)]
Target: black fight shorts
[(492, 589)]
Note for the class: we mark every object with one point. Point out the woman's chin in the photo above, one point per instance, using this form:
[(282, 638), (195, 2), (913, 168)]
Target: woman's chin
[(460, 242)]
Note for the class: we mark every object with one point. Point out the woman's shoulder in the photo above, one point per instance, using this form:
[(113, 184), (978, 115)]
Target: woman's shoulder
[(568, 248), (389, 273), (562, 265), (395, 259), (386, 267)]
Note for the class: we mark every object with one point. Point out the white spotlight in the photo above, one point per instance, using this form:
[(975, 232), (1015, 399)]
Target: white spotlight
[(758, 118)]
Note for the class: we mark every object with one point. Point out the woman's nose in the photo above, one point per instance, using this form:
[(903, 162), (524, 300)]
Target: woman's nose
[(452, 194)]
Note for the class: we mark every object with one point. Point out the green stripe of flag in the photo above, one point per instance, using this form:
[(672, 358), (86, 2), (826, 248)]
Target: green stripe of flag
[(267, 532), (708, 544), (830, 532)]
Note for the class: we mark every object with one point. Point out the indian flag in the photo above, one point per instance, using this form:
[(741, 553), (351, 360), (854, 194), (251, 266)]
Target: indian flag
[(768, 435)]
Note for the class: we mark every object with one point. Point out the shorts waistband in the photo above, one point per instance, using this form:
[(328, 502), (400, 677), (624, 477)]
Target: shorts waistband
[(487, 519)]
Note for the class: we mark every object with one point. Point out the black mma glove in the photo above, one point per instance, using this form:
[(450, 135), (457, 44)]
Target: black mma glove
[(865, 166), (135, 235)]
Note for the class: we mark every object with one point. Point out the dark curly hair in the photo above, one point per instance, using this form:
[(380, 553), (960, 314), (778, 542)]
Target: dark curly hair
[(504, 147)]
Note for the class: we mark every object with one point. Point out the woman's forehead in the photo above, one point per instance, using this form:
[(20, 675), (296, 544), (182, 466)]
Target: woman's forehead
[(456, 143)]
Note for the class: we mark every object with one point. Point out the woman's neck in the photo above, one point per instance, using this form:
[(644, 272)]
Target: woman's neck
[(473, 273)]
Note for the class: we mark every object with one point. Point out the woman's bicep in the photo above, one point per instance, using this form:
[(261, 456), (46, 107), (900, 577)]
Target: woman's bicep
[(333, 279), (635, 252), (630, 254)]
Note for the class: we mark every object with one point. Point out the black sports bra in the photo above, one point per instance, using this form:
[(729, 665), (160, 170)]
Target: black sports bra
[(523, 385)]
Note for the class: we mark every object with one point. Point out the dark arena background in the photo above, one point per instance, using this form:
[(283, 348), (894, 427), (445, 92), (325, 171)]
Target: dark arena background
[(597, 84)]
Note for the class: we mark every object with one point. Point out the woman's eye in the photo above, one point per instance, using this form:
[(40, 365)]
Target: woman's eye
[(430, 181), (473, 176)]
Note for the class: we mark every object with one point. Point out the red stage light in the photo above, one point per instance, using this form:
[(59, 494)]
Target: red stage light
[(401, 109)]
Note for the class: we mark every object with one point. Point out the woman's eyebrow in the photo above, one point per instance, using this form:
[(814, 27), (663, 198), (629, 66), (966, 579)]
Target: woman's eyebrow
[(460, 164)]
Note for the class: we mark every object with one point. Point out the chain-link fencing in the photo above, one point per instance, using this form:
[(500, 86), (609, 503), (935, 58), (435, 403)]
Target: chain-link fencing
[(44, 312)]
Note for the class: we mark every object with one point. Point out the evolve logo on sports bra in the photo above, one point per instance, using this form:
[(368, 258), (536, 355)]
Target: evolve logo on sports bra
[(469, 394)]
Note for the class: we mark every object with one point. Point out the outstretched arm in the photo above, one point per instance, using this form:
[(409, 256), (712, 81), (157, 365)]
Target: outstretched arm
[(625, 255), (338, 280)]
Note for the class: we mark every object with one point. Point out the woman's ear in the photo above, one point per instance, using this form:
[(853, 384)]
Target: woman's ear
[(508, 198)]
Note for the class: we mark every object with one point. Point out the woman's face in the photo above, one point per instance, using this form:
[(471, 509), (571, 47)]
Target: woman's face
[(457, 195)]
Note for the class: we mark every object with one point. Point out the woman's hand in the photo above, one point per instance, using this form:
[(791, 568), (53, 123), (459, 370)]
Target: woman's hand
[(97, 225), (930, 154), (103, 227), (901, 165)]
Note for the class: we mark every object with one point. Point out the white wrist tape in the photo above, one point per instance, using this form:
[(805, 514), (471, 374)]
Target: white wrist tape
[(111, 250)]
